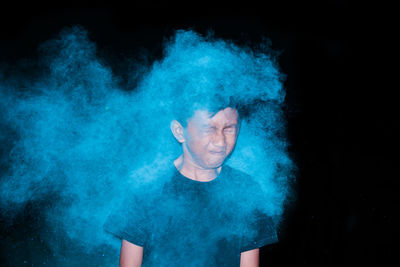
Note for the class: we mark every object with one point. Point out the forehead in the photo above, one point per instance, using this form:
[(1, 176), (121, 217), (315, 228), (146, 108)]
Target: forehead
[(222, 117)]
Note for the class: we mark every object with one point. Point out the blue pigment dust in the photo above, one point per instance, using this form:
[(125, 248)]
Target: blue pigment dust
[(73, 132)]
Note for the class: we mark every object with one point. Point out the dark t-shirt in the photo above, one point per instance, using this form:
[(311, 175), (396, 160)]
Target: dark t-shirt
[(190, 223)]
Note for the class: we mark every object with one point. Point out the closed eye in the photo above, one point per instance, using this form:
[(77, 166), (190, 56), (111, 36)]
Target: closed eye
[(230, 130), (209, 129)]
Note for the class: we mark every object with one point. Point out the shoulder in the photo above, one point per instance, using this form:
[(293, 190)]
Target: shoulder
[(143, 189), (236, 174), (246, 189), (240, 178)]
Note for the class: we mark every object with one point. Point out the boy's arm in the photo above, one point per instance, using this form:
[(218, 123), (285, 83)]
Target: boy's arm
[(131, 255), (250, 258)]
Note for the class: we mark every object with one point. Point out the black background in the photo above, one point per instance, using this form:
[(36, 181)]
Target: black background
[(340, 108)]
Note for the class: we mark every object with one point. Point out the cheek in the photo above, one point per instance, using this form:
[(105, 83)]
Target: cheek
[(230, 143), (198, 144)]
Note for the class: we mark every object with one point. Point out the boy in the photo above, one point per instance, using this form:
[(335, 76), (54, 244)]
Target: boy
[(200, 216)]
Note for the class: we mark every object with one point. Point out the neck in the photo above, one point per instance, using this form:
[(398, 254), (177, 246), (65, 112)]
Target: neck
[(192, 171)]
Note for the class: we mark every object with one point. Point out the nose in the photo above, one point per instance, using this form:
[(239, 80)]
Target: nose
[(219, 139)]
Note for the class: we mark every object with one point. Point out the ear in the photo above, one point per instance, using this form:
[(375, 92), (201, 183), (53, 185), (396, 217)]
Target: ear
[(177, 131)]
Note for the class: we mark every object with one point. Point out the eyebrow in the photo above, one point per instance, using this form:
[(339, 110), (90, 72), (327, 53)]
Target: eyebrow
[(211, 126), (207, 125)]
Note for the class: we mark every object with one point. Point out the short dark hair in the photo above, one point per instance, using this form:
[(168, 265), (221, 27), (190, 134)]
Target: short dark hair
[(184, 107)]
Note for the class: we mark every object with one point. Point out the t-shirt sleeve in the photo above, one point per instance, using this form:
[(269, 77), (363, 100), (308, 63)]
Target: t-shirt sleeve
[(128, 222), (258, 232)]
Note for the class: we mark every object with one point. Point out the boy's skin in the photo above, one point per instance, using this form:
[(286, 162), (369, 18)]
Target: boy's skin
[(207, 141)]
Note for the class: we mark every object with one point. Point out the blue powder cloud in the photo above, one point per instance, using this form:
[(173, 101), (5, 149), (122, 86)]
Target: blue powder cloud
[(75, 133)]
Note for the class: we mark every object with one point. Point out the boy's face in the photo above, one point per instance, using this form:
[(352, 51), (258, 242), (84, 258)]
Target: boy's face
[(210, 139)]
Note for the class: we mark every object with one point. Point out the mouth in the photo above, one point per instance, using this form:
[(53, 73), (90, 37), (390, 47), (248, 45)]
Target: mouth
[(217, 152)]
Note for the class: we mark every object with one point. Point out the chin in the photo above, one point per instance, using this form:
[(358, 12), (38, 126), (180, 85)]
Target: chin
[(215, 165)]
